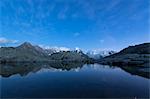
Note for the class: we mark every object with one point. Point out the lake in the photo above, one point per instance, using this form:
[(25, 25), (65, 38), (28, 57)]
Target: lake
[(73, 80)]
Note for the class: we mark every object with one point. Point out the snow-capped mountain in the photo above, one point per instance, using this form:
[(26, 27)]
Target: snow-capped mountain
[(58, 49), (97, 54), (51, 50)]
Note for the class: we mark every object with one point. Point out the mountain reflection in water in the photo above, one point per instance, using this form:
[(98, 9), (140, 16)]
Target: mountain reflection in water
[(24, 68), (72, 80)]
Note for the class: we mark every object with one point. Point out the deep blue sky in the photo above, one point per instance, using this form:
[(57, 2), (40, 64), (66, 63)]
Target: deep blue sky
[(87, 24)]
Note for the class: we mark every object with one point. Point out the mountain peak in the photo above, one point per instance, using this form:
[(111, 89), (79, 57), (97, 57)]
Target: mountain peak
[(26, 45)]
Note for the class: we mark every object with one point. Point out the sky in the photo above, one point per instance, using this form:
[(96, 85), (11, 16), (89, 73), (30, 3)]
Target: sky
[(86, 24)]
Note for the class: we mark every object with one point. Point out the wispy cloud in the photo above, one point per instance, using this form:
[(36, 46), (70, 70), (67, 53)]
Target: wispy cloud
[(5, 41), (101, 41), (76, 34), (63, 13), (112, 5)]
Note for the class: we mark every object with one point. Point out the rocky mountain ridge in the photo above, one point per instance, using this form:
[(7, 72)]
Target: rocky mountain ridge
[(28, 52), (138, 55)]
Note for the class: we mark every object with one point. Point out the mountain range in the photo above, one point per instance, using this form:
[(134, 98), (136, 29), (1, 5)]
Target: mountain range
[(138, 55), (99, 54), (26, 52)]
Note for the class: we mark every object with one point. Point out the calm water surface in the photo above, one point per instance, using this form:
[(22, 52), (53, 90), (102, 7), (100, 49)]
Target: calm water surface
[(92, 80)]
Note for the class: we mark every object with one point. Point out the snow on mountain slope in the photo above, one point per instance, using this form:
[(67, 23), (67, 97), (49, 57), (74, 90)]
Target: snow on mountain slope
[(97, 54), (50, 50)]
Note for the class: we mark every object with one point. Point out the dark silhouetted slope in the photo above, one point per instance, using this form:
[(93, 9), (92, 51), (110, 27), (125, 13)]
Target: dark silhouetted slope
[(138, 55)]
